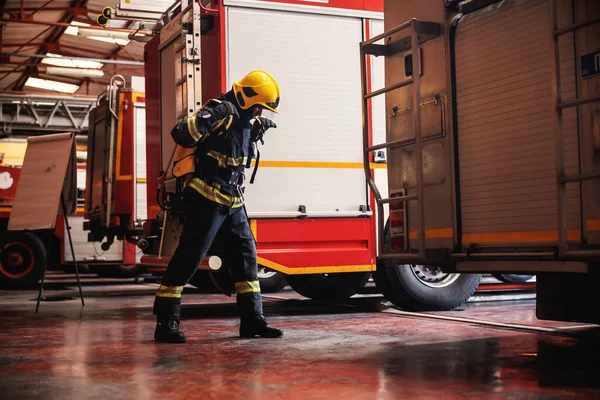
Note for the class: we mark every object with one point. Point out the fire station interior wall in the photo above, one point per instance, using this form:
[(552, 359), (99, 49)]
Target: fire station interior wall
[(506, 120), (140, 161), (12, 152), (315, 59), (88, 251), (437, 161)]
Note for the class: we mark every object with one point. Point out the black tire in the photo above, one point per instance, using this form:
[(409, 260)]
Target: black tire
[(117, 271), (22, 258), (401, 285), (513, 278), (271, 281), (328, 287)]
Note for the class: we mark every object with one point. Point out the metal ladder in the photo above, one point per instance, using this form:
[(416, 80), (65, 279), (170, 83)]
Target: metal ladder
[(562, 178), (421, 32)]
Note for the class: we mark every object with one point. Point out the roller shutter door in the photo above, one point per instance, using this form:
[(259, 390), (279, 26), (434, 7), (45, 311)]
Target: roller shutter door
[(506, 124), (140, 162), (88, 251), (315, 59)]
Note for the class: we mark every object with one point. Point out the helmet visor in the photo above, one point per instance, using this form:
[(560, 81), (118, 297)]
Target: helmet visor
[(273, 104)]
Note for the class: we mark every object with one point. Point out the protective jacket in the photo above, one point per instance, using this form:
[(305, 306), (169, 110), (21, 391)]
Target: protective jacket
[(219, 141)]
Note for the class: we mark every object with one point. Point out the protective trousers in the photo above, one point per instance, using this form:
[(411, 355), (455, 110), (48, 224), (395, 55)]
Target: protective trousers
[(203, 221)]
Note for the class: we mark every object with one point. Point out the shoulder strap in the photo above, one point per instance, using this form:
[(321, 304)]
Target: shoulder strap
[(255, 165)]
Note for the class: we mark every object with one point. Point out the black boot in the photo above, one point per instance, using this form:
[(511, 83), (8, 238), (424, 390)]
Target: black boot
[(167, 331), (258, 325)]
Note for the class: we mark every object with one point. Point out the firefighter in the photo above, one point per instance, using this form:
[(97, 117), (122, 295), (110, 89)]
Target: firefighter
[(224, 143)]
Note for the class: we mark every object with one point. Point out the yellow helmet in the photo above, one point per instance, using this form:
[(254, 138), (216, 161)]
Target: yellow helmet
[(258, 87)]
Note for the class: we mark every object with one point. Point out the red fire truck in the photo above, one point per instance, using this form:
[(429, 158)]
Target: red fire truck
[(118, 261), (310, 207)]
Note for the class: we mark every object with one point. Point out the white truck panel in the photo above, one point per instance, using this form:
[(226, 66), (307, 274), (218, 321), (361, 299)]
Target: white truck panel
[(314, 58), (140, 164), (88, 251)]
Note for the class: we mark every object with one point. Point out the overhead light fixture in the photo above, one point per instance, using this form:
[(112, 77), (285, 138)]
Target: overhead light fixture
[(108, 36), (54, 86), (92, 33), (74, 72), (74, 28), (120, 42), (60, 61)]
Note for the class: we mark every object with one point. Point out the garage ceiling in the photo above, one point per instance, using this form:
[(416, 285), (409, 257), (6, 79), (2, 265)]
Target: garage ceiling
[(36, 28)]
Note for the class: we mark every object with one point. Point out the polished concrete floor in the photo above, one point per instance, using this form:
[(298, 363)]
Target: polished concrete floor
[(362, 350)]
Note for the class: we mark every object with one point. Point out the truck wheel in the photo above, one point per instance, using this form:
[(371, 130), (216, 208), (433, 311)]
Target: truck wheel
[(513, 278), (22, 258), (328, 287), (270, 281), (423, 287)]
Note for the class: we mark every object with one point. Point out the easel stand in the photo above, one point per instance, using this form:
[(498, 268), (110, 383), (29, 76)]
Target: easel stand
[(47, 187), (40, 292)]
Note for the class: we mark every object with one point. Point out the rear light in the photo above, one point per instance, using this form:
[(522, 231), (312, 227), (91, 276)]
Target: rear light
[(397, 221), (398, 242), (396, 206)]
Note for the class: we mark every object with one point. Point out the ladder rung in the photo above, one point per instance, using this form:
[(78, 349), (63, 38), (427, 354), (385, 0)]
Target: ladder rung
[(402, 199), (575, 27), (393, 143), (389, 88), (404, 142), (582, 177), (577, 102)]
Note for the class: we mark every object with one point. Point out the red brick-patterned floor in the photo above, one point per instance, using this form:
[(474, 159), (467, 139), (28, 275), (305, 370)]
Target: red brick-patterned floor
[(105, 351)]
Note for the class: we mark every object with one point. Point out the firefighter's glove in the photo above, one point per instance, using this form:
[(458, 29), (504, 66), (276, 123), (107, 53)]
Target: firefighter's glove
[(260, 127)]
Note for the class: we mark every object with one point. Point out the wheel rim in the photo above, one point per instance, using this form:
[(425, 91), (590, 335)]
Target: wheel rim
[(265, 273), (17, 260), (433, 276)]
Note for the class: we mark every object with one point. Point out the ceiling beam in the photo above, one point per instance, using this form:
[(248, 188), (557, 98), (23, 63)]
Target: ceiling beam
[(53, 37), (73, 10), (2, 4), (59, 48), (121, 70), (30, 40), (62, 24)]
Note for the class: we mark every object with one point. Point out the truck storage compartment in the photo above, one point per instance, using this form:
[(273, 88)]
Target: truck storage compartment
[(506, 120)]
